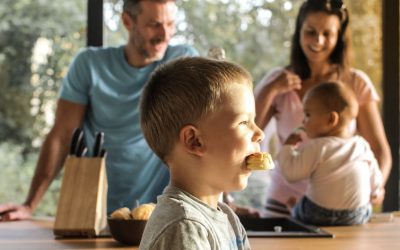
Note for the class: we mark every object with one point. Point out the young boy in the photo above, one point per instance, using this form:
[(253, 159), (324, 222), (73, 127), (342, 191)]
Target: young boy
[(197, 115), (342, 170)]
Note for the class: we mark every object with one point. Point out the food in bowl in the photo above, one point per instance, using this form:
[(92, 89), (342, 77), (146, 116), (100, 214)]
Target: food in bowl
[(127, 232), (143, 212), (122, 213), (127, 226)]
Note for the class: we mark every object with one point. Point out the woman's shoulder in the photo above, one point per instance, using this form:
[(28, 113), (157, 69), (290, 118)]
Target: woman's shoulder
[(362, 85), (358, 76)]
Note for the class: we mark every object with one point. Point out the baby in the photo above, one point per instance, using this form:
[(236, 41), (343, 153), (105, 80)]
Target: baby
[(197, 115), (341, 168)]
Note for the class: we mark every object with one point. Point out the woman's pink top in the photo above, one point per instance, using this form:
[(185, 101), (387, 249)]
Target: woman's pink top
[(290, 116)]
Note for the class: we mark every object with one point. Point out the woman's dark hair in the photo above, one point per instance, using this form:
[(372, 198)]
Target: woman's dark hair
[(340, 54)]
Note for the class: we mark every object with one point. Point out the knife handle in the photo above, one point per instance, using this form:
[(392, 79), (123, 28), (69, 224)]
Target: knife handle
[(103, 153), (74, 141), (98, 144), (81, 148)]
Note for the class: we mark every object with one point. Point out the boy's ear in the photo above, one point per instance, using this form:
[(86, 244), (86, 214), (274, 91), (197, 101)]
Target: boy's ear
[(189, 138), (333, 118)]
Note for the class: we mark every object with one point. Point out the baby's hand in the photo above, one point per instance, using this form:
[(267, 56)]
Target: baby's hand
[(293, 139), (378, 196)]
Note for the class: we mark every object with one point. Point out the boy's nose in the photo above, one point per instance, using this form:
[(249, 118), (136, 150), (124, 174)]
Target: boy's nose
[(259, 134)]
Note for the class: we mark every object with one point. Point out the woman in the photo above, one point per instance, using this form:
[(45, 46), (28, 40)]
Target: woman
[(320, 52)]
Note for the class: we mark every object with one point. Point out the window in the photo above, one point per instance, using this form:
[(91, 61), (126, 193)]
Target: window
[(39, 38), (37, 42), (257, 34)]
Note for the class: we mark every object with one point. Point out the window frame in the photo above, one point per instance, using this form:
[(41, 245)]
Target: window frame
[(390, 87), (95, 23), (390, 75)]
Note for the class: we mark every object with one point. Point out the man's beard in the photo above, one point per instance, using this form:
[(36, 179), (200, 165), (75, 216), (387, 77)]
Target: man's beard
[(140, 43)]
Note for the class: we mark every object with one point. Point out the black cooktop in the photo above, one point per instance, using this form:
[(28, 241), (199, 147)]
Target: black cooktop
[(281, 227)]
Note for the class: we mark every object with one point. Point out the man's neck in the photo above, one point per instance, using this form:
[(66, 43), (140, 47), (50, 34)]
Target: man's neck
[(134, 58)]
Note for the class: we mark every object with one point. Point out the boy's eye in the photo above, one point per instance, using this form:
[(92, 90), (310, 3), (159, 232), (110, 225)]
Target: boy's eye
[(244, 123)]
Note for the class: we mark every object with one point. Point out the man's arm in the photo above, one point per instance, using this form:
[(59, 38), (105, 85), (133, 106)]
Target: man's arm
[(54, 150)]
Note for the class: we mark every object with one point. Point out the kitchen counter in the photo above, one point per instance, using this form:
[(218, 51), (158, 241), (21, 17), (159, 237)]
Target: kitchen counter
[(38, 234)]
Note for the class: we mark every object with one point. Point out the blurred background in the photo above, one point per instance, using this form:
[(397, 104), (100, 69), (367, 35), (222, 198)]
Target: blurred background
[(39, 38)]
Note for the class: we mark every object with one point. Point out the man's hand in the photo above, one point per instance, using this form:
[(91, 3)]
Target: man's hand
[(242, 211), (13, 212), (291, 202)]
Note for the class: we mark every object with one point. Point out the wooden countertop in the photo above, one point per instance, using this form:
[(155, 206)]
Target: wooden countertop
[(38, 234)]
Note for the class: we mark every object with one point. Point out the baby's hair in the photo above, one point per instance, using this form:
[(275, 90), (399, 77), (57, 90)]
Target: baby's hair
[(337, 97), (180, 93)]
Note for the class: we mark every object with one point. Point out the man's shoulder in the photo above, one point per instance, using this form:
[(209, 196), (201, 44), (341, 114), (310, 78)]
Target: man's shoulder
[(96, 52), (175, 51), (107, 49), (98, 56)]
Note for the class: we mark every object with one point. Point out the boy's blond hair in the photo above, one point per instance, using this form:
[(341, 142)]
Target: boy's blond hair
[(181, 93), (335, 96)]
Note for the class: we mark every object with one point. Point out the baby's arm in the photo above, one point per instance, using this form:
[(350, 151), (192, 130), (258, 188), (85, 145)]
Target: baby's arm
[(298, 164)]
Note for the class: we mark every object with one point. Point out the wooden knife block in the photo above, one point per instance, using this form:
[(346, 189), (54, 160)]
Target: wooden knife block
[(82, 206)]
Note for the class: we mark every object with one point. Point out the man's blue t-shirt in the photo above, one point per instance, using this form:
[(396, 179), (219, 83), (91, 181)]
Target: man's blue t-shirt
[(101, 79)]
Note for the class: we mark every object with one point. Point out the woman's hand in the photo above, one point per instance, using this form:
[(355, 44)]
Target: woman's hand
[(285, 82), (272, 86)]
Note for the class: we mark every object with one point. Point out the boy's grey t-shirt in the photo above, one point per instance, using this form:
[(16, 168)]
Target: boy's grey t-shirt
[(181, 221)]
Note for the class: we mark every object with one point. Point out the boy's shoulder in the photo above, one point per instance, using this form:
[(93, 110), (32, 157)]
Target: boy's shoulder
[(181, 221), (176, 217)]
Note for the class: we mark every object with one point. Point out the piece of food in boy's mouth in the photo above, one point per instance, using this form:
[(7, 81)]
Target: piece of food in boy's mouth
[(143, 211), (122, 213), (259, 161)]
